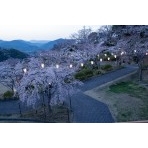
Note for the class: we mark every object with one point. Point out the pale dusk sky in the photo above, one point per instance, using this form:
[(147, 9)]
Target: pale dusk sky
[(40, 32)]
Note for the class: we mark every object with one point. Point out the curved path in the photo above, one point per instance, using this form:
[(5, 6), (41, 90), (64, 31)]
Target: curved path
[(86, 109)]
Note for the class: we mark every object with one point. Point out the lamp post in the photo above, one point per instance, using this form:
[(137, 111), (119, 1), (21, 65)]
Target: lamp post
[(115, 56), (100, 62), (92, 63)]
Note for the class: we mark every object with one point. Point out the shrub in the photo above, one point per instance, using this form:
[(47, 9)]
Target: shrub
[(107, 67), (97, 72), (8, 94), (84, 74)]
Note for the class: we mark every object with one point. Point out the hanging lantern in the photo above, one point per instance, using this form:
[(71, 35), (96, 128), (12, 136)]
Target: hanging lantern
[(82, 64), (92, 62), (57, 66), (70, 66), (25, 70), (42, 65)]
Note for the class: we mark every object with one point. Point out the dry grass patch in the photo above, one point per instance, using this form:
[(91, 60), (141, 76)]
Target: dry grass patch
[(127, 101)]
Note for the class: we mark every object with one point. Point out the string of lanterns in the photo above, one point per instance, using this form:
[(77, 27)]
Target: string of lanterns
[(70, 66), (91, 62)]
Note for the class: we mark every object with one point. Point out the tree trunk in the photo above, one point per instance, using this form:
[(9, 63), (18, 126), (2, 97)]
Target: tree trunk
[(140, 71), (44, 107), (20, 108), (140, 74), (49, 106), (70, 108)]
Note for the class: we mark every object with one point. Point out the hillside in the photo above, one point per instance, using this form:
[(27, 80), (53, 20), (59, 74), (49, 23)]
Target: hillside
[(6, 54), (128, 37)]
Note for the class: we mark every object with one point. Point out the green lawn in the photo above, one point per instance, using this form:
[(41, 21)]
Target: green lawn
[(132, 109), (130, 88)]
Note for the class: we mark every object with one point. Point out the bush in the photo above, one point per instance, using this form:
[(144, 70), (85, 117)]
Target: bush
[(84, 74), (8, 94), (107, 67), (97, 72)]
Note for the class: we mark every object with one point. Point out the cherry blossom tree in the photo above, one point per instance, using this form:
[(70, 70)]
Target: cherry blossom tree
[(137, 52), (138, 55), (105, 32), (82, 35), (10, 73), (49, 82)]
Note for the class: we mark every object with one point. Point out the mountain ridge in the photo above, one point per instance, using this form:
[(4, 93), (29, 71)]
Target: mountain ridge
[(30, 46)]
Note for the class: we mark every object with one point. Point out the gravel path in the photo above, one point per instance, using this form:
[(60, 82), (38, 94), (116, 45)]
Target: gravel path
[(97, 81), (86, 109)]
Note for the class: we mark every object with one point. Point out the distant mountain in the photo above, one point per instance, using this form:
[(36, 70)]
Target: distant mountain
[(30, 46), (38, 43), (21, 45), (6, 54), (51, 44)]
